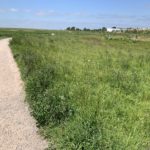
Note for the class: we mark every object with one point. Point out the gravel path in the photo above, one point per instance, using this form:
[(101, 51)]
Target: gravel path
[(17, 128)]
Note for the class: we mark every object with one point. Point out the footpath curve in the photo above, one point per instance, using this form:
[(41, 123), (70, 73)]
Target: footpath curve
[(18, 129)]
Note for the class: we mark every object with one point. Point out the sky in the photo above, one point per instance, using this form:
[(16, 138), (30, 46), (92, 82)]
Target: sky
[(59, 14)]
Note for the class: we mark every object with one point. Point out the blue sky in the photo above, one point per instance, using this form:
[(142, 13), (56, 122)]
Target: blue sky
[(59, 14)]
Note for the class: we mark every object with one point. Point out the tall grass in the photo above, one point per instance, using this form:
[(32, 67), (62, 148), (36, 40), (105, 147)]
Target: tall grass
[(86, 91)]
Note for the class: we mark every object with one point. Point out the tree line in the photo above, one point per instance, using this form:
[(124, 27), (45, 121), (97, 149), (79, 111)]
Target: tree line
[(85, 29)]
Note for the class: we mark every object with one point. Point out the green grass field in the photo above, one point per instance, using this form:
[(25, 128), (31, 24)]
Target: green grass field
[(87, 90)]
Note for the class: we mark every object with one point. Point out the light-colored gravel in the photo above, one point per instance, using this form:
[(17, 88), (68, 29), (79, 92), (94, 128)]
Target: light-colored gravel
[(17, 128)]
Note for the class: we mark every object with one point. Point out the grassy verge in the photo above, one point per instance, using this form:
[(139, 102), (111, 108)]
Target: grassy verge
[(87, 91)]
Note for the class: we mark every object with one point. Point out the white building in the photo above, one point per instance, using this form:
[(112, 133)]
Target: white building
[(113, 30)]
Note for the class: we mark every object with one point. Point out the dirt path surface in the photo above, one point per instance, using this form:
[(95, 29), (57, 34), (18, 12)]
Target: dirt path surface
[(17, 128)]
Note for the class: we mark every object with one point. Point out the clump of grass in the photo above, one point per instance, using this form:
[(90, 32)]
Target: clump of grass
[(49, 100)]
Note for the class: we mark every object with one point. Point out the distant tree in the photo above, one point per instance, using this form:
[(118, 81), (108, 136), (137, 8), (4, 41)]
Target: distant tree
[(77, 29), (99, 29), (114, 27), (68, 29), (86, 29), (73, 28), (104, 29)]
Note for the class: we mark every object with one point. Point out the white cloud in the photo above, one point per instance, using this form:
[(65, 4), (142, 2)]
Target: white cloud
[(2, 10), (13, 10), (48, 13), (27, 10), (41, 13)]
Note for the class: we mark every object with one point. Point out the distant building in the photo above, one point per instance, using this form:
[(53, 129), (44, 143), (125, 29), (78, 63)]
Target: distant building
[(113, 30)]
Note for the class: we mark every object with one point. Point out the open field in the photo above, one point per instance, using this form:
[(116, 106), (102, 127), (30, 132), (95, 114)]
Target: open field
[(87, 90)]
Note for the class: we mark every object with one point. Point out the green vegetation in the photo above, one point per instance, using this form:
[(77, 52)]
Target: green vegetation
[(87, 90)]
